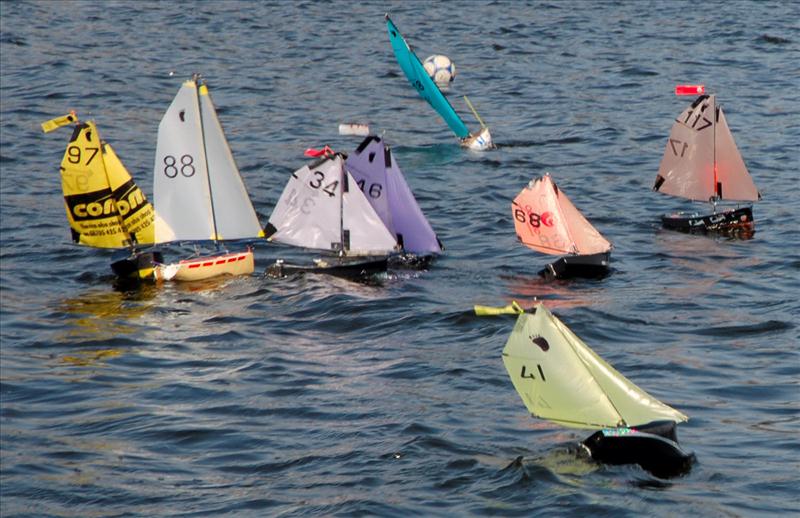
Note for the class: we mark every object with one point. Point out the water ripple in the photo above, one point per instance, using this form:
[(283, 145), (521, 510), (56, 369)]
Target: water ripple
[(318, 396)]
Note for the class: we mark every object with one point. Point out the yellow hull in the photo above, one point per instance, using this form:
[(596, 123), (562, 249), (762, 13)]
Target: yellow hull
[(239, 263)]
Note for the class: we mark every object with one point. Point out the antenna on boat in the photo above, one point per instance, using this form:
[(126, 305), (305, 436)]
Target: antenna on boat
[(717, 186), (474, 112)]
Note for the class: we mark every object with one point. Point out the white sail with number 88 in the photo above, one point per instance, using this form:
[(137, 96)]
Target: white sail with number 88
[(198, 191)]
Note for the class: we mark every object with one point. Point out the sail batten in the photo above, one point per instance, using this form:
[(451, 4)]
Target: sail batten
[(559, 378)]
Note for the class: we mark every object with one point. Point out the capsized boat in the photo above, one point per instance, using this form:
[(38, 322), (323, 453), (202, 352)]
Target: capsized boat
[(546, 221), (323, 208), (105, 208), (559, 378), (702, 163), (427, 89), (377, 174), (198, 193)]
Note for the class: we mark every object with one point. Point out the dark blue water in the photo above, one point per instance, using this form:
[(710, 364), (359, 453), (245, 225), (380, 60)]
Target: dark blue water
[(317, 396)]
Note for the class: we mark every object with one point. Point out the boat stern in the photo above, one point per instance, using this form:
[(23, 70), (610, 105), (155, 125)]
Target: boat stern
[(482, 141), (653, 446), (590, 266), (135, 265)]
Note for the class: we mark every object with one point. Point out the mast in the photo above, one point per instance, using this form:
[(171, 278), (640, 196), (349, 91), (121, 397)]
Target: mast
[(196, 78), (343, 180), (562, 218), (131, 237), (715, 188)]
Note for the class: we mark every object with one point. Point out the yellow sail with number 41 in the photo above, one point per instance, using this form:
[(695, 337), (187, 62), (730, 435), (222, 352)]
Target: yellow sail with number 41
[(559, 378), (105, 208)]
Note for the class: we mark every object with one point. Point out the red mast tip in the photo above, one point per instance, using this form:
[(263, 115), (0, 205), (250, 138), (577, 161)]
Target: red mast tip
[(690, 89), (316, 153)]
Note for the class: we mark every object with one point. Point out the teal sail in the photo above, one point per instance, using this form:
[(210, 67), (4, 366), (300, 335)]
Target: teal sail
[(422, 83)]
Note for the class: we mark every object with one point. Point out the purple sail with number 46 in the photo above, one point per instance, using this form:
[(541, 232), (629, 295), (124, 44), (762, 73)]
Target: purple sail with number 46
[(376, 172)]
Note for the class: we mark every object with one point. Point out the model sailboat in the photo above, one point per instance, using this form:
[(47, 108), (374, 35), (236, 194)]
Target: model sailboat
[(105, 208), (701, 162), (546, 221), (377, 174), (199, 195), (559, 378), (323, 208), (427, 89)]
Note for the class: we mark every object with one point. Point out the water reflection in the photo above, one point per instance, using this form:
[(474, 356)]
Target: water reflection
[(100, 317), (90, 358), (98, 314), (712, 260), (703, 253), (568, 461), (321, 286), (529, 290)]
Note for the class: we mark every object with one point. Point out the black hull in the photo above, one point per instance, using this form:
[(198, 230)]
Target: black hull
[(347, 268), (653, 446), (592, 266), (132, 264), (733, 221)]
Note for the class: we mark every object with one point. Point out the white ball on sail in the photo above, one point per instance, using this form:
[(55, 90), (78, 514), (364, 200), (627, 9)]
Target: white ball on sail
[(440, 68)]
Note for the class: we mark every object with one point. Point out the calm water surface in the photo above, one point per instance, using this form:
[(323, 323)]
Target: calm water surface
[(317, 396)]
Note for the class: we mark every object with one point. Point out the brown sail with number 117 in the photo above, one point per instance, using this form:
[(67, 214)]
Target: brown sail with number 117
[(701, 162)]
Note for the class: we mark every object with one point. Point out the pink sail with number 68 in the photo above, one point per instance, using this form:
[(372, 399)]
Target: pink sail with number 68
[(546, 221)]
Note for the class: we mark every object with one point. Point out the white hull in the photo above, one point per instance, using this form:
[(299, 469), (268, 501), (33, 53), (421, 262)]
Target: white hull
[(480, 142), (238, 263)]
